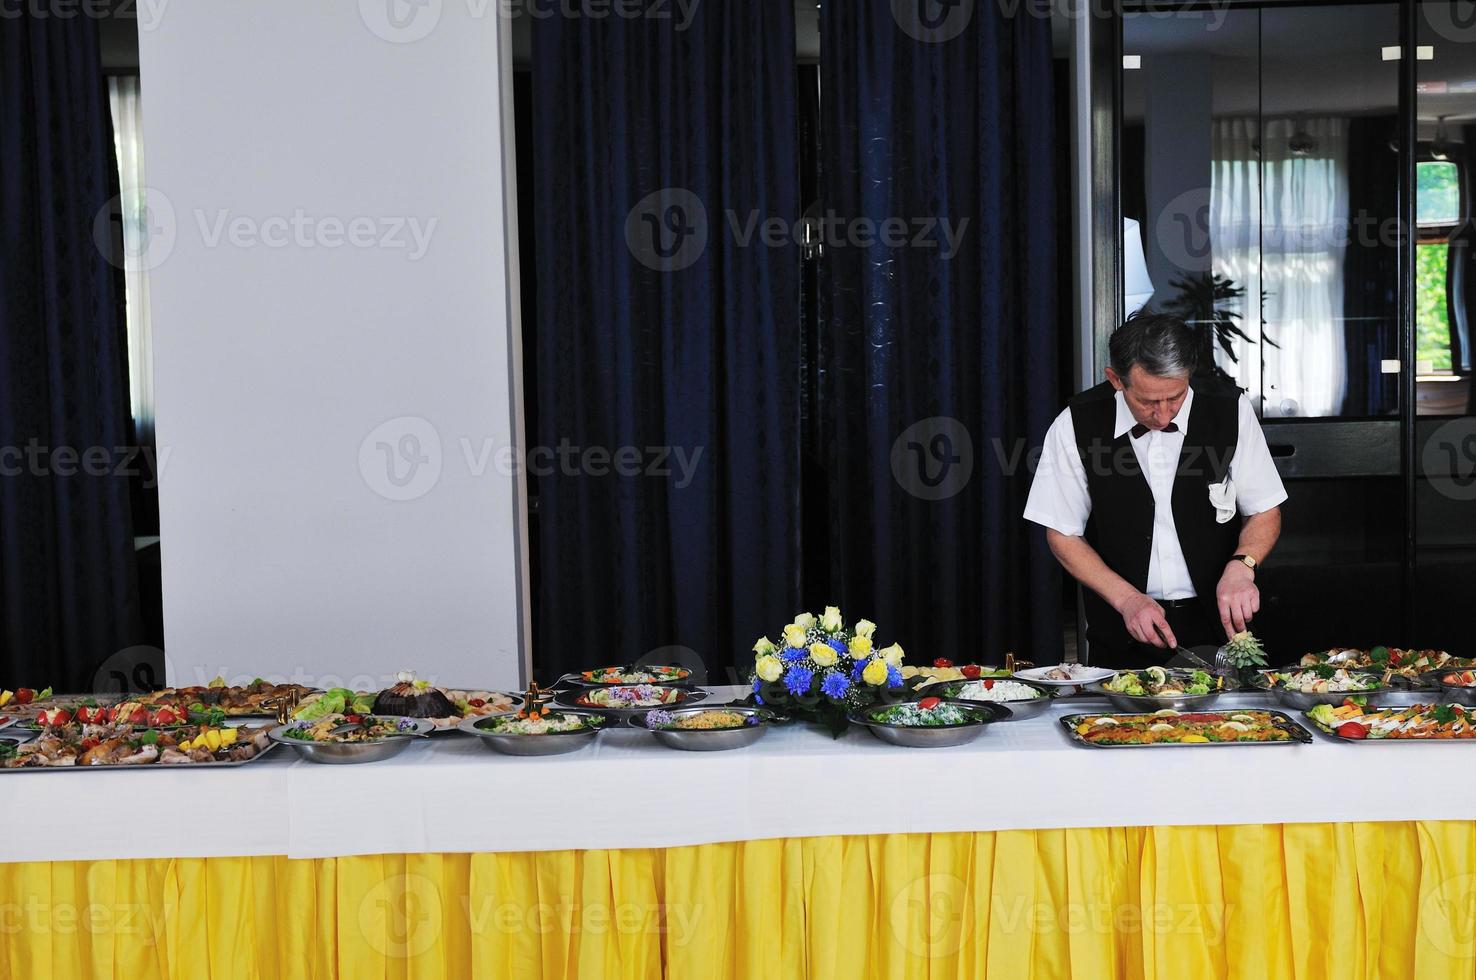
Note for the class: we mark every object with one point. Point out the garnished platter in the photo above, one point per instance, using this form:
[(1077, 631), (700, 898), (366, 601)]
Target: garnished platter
[(342, 740), (704, 729), (1169, 728), (1304, 688), (1161, 687), (1023, 698), (930, 723), (539, 731), (626, 675), (626, 700), (95, 747), (1352, 722)]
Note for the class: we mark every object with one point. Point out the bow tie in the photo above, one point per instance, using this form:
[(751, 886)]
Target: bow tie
[(1140, 429)]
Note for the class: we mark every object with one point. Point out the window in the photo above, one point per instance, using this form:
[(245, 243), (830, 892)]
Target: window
[(1437, 212)]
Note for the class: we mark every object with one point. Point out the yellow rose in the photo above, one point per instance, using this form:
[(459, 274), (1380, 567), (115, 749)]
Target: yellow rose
[(831, 621), (823, 654), (768, 668), (893, 654), (865, 628), (804, 620), (860, 647), (763, 645), (794, 635), (875, 673)]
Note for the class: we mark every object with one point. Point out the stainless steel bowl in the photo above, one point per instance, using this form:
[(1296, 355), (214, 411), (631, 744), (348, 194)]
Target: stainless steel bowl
[(350, 753), (709, 739), (1148, 703), (948, 690), (568, 700), (554, 743), (1302, 701), (578, 681), (941, 737)]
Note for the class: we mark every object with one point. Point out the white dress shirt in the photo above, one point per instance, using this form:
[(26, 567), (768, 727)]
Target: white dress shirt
[(1059, 498)]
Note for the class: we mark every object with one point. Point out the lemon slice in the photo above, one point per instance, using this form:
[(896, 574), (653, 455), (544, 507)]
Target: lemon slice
[(1194, 738), (1235, 726), (1105, 721), (1245, 718), (1165, 712), (1157, 674), (1162, 726)]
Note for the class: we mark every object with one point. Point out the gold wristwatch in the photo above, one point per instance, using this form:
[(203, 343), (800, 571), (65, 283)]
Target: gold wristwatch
[(1246, 560)]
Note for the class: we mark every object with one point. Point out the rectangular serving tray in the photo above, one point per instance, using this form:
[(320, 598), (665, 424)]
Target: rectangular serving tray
[(1330, 733), (173, 767), (1299, 735)]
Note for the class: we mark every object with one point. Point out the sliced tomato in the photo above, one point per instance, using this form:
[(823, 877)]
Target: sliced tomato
[(989, 683), (927, 704), (61, 716), (1351, 729), (24, 695), (140, 716), (83, 714), (942, 663), (91, 742), (477, 703), (971, 671), (1202, 716), (353, 719)]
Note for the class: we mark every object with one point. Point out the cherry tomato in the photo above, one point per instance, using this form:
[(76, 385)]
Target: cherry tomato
[(83, 715), (140, 716), (353, 719), (988, 683), (942, 663), (477, 703), (1351, 729), (91, 742), (927, 704), (971, 672), (60, 716), (24, 695)]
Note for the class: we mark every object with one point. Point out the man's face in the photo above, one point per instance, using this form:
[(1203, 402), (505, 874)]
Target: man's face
[(1154, 401)]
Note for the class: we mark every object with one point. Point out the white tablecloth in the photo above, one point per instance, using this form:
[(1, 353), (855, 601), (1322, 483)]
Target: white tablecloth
[(452, 794)]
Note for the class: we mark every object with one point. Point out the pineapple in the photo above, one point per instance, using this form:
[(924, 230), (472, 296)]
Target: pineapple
[(1244, 651)]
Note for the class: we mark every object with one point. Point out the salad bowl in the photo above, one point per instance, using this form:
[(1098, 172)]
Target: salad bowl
[(1304, 688), (1157, 688), (972, 716)]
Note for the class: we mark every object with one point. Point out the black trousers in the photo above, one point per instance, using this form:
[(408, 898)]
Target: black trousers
[(1110, 645)]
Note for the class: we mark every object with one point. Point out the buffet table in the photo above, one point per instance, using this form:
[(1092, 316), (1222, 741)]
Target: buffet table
[(1018, 855)]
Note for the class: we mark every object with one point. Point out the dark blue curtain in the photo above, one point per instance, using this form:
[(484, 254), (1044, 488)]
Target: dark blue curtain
[(665, 333), (68, 594), (941, 371)]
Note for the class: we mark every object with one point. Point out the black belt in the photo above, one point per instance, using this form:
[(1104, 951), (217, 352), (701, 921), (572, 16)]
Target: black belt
[(1177, 603)]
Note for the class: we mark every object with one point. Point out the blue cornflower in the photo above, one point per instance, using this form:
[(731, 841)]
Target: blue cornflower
[(798, 680), (794, 653), (894, 676), (856, 670), (838, 645), (757, 684), (835, 685)]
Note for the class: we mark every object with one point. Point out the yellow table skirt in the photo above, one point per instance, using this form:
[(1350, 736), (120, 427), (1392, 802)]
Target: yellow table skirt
[(1306, 901)]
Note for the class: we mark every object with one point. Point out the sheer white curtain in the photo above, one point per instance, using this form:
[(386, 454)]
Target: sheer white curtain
[(128, 139), (1279, 223)]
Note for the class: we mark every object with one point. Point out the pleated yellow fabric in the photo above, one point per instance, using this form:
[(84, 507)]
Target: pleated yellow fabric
[(1385, 901)]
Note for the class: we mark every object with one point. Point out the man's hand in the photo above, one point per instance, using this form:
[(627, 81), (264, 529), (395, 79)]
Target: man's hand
[(1238, 598), (1146, 622)]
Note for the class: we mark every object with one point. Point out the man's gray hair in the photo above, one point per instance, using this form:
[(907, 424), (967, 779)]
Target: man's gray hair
[(1160, 343)]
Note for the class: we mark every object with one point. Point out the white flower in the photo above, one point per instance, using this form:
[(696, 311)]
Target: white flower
[(794, 635), (831, 621), (893, 654), (865, 628), (763, 645), (768, 668), (804, 620), (1222, 496)]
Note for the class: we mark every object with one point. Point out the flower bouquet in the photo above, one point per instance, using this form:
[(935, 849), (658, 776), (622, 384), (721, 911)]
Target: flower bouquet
[(824, 669)]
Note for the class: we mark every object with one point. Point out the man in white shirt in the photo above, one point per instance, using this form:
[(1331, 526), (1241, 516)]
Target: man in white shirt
[(1158, 495)]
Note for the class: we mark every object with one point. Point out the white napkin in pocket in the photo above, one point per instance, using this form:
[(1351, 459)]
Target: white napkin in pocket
[(1222, 496)]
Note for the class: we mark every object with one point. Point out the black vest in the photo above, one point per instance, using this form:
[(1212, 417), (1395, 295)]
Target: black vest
[(1121, 524)]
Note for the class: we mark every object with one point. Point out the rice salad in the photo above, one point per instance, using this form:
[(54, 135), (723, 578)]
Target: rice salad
[(997, 690), (548, 724)]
